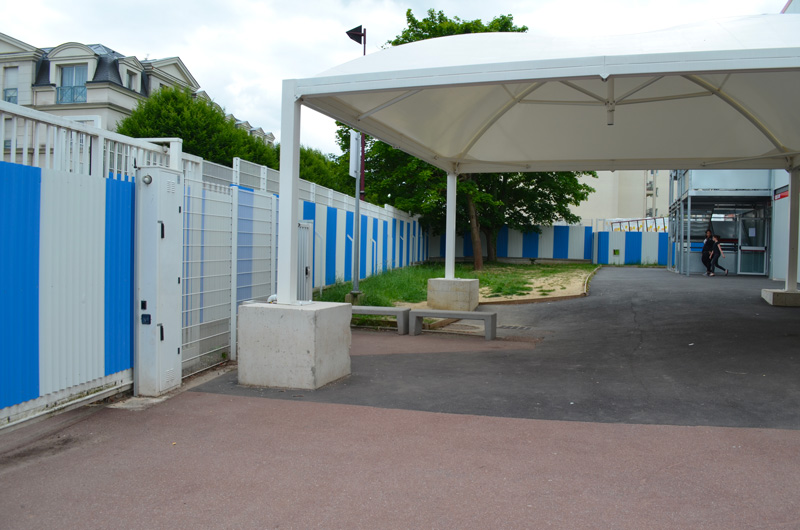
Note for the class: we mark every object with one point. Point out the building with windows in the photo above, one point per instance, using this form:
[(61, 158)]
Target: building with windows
[(624, 195), (90, 83)]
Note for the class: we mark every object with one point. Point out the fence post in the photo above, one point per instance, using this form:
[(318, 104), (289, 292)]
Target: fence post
[(234, 252), (96, 156), (274, 246)]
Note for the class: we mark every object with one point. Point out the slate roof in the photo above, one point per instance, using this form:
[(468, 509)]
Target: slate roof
[(107, 67)]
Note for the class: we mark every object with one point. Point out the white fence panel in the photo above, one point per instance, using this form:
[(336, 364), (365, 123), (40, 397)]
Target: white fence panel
[(72, 277)]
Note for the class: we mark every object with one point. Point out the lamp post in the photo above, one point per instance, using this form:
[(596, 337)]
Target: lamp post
[(359, 35)]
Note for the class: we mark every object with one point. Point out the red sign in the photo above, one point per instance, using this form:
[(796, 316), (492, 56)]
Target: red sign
[(782, 195)]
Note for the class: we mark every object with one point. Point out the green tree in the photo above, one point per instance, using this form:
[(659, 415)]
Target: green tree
[(202, 125), (436, 24), (485, 203), (207, 133)]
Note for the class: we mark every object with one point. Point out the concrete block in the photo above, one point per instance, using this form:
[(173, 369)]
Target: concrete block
[(456, 294), (293, 346), (781, 298)]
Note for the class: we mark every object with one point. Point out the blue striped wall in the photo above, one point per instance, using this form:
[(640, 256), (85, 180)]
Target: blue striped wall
[(52, 339), (570, 242), (557, 242), (632, 248), (382, 245)]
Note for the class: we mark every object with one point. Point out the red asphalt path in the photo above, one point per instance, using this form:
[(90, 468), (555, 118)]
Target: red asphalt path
[(202, 460)]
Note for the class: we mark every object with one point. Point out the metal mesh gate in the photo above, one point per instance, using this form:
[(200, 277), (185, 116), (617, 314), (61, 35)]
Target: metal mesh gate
[(207, 251)]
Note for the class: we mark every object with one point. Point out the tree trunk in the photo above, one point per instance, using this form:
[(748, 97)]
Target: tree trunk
[(475, 235), (491, 244)]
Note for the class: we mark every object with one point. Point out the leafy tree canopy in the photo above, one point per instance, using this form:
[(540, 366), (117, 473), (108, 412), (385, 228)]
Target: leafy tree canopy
[(436, 24), (207, 133), (203, 127), (523, 201)]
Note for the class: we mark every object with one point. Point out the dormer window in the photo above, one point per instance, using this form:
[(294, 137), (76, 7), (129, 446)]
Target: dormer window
[(73, 84), (130, 80)]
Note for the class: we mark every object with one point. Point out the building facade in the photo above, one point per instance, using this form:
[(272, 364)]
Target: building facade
[(625, 195), (90, 83)]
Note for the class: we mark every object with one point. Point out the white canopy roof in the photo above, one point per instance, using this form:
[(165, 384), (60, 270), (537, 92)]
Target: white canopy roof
[(721, 94)]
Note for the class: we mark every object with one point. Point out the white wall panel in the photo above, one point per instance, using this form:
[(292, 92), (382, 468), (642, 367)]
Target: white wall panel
[(576, 242), (649, 248), (616, 241), (71, 280), (320, 248), (433, 247), (546, 242), (514, 244)]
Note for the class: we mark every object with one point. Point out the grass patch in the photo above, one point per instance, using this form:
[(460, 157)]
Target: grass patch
[(410, 284)]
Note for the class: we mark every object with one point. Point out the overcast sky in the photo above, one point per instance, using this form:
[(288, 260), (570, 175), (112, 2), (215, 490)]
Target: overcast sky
[(240, 50)]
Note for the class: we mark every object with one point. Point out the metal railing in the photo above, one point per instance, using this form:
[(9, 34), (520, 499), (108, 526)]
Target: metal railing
[(32, 138), (70, 94)]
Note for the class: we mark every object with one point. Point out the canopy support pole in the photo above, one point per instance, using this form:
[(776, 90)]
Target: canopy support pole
[(794, 219), (450, 229), (288, 214)]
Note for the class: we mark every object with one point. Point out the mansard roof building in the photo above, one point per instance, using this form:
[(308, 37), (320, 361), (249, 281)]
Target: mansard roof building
[(90, 83)]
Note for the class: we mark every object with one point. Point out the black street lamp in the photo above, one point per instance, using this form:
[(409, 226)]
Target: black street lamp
[(359, 35)]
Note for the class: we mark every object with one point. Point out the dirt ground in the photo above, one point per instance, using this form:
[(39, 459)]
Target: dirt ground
[(568, 284)]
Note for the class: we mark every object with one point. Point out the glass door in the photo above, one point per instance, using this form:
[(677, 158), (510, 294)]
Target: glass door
[(753, 246)]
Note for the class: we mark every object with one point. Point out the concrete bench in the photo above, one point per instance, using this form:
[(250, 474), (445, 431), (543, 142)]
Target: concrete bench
[(489, 319), (401, 313)]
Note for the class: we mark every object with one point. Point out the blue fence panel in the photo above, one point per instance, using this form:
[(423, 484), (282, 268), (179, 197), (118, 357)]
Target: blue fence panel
[(602, 248), (330, 246), (384, 250), (587, 243), (348, 246), (633, 248), (20, 205), (119, 296), (502, 243), (663, 246), (530, 245), (467, 245), (560, 242)]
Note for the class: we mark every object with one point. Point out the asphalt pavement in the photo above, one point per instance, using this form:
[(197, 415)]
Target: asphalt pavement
[(658, 401)]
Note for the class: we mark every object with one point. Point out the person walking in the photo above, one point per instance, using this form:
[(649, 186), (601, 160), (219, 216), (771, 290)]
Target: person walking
[(716, 252), (707, 253)]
